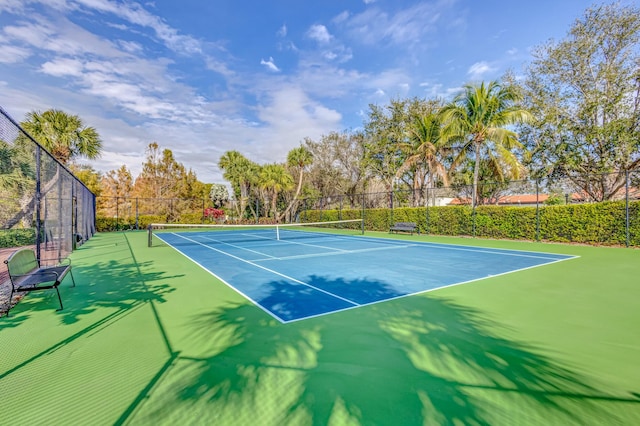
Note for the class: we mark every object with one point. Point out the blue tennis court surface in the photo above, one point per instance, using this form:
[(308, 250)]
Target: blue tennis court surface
[(304, 274)]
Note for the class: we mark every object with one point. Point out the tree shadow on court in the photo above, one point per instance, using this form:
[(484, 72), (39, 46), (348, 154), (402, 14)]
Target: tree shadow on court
[(116, 287), (119, 283), (290, 301), (413, 360)]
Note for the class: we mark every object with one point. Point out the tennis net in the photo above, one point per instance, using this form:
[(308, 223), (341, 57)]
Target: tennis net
[(229, 234)]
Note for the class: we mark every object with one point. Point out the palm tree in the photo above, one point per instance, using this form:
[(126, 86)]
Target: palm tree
[(478, 117), (427, 148), (274, 179), (299, 159), (64, 136), (241, 173)]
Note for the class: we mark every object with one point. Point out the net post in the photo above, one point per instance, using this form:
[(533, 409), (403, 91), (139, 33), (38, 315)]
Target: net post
[(149, 236)]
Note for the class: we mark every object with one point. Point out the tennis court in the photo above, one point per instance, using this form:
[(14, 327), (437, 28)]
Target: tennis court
[(148, 337), (296, 272)]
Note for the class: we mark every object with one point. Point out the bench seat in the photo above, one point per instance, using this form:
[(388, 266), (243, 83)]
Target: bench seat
[(404, 227), (26, 274)]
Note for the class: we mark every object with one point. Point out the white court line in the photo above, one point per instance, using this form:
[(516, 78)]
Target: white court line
[(344, 252), (402, 296), (314, 245), (276, 243), (269, 270), (355, 305), (506, 252), (491, 251), (233, 245)]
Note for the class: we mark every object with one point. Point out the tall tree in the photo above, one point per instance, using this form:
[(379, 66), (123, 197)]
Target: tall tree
[(478, 119), (386, 129), (426, 151), (241, 173), (116, 191), (65, 136), (298, 160), (339, 165), (89, 176), (274, 179), (585, 93), (165, 187)]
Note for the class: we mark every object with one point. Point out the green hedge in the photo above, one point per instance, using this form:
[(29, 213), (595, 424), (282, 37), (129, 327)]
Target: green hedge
[(597, 223), (17, 237)]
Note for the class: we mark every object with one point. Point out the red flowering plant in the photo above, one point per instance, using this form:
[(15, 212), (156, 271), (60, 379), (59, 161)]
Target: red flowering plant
[(213, 214)]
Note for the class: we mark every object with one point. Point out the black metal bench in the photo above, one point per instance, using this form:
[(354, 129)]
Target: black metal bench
[(26, 274), (404, 227)]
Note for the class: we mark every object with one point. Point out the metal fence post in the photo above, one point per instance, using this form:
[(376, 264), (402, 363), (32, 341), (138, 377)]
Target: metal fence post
[(626, 207), (537, 210), (363, 195), (38, 200), (473, 220), (391, 207), (426, 207), (59, 236)]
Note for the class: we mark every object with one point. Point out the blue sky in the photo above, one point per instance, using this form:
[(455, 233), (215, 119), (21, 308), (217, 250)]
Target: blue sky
[(204, 77)]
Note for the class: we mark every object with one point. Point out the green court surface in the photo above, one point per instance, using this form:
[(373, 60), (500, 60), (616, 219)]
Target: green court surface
[(147, 338)]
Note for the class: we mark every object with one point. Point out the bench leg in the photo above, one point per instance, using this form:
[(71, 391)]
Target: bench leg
[(10, 300), (59, 298), (72, 279)]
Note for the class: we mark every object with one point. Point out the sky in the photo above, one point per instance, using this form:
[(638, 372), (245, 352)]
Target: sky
[(202, 77)]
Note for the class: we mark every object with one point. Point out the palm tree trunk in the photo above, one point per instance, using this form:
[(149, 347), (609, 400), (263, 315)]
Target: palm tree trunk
[(274, 202), (476, 174), (295, 197)]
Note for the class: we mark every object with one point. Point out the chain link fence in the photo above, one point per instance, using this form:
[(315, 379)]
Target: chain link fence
[(43, 204), (602, 209), (125, 213), (598, 209)]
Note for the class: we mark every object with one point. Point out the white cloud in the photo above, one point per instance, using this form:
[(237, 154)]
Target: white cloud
[(291, 115), (130, 47), (63, 68), (319, 33), (406, 26), (338, 54), (437, 90), (478, 70), (282, 32), (342, 17), (13, 54), (270, 64)]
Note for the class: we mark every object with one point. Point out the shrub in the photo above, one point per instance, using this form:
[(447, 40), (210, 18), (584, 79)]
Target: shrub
[(17, 237), (597, 223)]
